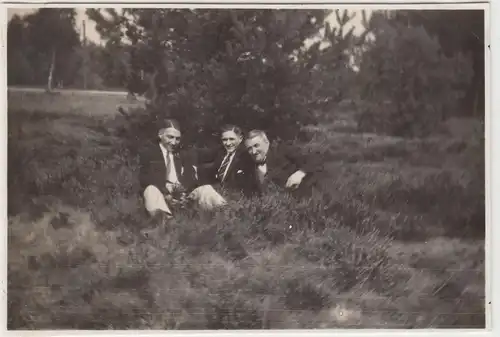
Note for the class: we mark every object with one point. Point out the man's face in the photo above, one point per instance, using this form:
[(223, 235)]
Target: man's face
[(257, 147), (170, 138), (230, 140)]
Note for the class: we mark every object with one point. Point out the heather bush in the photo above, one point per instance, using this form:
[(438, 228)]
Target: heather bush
[(169, 279)]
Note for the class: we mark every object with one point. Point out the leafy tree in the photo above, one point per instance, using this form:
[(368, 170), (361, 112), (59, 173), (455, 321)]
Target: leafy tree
[(89, 68), (115, 55), (408, 85), (52, 36), (19, 67)]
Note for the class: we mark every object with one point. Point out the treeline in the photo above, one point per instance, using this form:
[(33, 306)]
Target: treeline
[(272, 69), (45, 49)]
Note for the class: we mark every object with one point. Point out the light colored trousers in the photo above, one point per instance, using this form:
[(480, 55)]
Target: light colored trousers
[(206, 197)]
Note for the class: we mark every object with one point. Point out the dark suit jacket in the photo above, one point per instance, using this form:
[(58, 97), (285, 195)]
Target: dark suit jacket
[(237, 175), (282, 162), (153, 170)]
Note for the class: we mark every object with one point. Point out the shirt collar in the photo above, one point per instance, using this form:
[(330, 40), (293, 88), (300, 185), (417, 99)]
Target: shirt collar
[(166, 152)]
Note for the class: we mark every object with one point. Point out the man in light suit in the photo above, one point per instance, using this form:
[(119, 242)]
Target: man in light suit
[(284, 168)]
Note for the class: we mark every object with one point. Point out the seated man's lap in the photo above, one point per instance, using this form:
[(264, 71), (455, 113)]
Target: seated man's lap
[(205, 197)]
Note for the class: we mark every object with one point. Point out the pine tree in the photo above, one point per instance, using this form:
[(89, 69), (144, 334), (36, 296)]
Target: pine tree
[(206, 67)]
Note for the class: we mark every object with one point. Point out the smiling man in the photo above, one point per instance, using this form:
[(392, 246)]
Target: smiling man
[(166, 174), (284, 167), (226, 167)]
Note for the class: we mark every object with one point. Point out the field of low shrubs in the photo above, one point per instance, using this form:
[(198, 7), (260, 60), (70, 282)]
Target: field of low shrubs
[(394, 239)]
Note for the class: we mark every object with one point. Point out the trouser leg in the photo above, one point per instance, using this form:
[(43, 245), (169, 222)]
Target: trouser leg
[(207, 198), (154, 201)]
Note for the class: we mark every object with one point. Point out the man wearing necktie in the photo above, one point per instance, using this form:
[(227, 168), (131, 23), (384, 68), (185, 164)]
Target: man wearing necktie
[(167, 174), (226, 166), (283, 168)]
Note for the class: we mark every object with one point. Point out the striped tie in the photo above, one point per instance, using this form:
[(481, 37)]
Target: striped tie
[(222, 168)]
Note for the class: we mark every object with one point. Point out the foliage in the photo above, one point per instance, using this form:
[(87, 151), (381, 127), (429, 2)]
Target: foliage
[(457, 31), (408, 85), (319, 57), (34, 38), (330, 64), (45, 39), (236, 66)]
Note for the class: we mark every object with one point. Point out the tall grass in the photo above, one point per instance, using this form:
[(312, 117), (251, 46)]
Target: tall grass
[(370, 249)]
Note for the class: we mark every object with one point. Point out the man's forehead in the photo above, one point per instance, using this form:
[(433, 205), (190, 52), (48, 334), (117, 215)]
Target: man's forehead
[(170, 132), (254, 140), (229, 134)]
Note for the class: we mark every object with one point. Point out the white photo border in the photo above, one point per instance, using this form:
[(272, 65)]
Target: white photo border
[(492, 162)]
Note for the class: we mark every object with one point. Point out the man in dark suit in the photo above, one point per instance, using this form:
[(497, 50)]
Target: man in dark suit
[(282, 168), (166, 174), (226, 166)]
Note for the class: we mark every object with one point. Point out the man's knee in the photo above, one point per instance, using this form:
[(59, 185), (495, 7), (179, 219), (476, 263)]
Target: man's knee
[(154, 200), (206, 197), (151, 191)]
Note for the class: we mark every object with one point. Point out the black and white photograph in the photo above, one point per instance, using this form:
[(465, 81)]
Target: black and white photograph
[(238, 168)]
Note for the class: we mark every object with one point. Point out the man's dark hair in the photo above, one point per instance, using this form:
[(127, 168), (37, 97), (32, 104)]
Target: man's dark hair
[(170, 123), (231, 127)]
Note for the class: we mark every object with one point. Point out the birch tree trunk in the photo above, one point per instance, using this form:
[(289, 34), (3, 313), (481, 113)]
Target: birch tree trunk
[(51, 71)]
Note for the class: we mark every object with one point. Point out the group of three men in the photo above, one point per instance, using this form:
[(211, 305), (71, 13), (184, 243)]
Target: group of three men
[(241, 164)]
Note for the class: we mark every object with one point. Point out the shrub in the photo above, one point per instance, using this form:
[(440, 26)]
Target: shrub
[(408, 85)]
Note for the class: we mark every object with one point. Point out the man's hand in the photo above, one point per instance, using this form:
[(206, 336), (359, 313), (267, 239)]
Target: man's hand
[(169, 187), (295, 179)]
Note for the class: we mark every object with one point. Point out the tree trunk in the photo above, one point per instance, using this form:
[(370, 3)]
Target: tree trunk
[(51, 71)]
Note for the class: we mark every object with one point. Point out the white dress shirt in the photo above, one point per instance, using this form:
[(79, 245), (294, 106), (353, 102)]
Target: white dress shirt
[(172, 173)]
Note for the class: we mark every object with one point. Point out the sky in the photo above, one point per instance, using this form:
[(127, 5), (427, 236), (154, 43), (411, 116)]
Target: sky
[(94, 36)]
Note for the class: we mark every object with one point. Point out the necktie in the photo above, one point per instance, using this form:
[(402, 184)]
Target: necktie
[(171, 174), (222, 168)]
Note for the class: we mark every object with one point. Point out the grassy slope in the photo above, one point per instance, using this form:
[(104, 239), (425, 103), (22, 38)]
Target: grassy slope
[(373, 251)]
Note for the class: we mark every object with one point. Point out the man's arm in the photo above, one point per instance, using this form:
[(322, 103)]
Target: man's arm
[(308, 163), (303, 165), (206, 165), (246, 175), (187, 174), (146, 176)]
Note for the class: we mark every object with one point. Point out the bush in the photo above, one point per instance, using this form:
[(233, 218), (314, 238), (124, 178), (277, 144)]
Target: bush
[(408, 85), (91, 275)]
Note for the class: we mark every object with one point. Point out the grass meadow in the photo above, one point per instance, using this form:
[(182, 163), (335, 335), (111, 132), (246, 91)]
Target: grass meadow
[(394, 240)]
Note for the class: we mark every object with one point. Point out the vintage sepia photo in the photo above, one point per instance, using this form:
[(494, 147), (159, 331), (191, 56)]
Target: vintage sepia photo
[(246, 168)]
